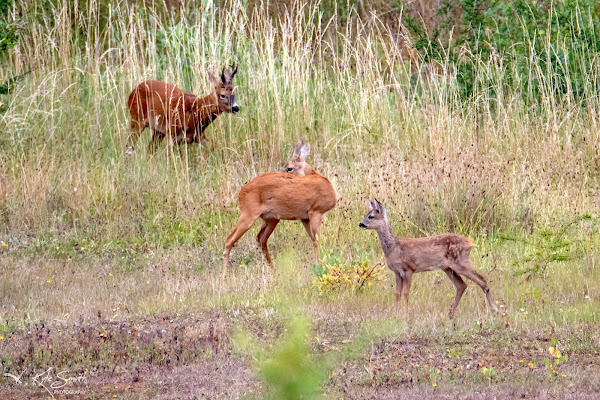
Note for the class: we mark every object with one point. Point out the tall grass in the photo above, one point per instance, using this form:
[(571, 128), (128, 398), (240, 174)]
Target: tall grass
[(382, 123)]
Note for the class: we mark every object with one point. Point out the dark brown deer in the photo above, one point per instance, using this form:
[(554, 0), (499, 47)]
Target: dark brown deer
[(293, 195), (406, 256), (169, 111)]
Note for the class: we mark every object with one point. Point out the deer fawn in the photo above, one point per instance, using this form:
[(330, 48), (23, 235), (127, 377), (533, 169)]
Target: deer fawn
[(169, 111), (300, 194), (297, 164), (405, 256)]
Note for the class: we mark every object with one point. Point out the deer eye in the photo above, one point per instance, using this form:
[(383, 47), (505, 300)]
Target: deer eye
[(290, 169), (370, 217), (223, 96)]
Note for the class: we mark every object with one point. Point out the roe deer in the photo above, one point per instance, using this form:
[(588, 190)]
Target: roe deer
[(297, 164), (169, 111), (280, 195), (405, 256)]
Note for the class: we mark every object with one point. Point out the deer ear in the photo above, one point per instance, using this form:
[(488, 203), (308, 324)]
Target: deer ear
[(304, 151), (369, 204), (380, 206), (297, 149), (213, 79)]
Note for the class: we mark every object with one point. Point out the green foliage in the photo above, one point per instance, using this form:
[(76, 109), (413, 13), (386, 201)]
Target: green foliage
[(548, 247), (542, 47), (333, 274), (288, 369), (8, 33), (289, 372), (557, 359)]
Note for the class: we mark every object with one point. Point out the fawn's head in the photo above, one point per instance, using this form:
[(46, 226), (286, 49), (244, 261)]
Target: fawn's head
[(224, 90), (297, 164), (376, 216)]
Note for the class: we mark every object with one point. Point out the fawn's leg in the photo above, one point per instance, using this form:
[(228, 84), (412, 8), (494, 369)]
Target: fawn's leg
[(460, 286), (464, 268), (399, 285), (406, 282)]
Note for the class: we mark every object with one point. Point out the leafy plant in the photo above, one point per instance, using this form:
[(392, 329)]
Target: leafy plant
[(336, 275), (548, 247), (557, 358), (288, 369)]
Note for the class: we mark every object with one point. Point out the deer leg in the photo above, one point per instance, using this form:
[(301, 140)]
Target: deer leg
[(265, 232), (315, 219), (157, 136), (464, 268), (244, 223), (460, 286), (399, 285), (308, 229), (136, 131), (406, 282), (206, 143)]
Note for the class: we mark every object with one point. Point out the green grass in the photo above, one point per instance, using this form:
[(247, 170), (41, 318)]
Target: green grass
[(92, 236)]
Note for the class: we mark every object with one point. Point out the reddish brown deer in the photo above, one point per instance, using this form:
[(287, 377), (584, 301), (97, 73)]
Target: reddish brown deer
[(406, 256), (281, 195), (169, 111)]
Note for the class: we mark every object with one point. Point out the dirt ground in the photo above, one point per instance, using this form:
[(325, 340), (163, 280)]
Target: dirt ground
[(195, 357)]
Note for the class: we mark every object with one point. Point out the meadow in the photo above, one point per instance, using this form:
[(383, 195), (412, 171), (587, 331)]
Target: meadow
[(110, 258)]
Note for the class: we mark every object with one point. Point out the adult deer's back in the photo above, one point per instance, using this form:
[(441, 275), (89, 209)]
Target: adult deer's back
[(278, 195)]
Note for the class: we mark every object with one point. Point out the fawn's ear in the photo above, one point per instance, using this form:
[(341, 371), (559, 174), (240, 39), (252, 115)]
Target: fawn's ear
[(369, 204), (304, 151), (297, 149), (380, 207)]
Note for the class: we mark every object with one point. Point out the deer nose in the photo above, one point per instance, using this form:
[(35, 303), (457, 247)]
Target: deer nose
[(362, 226), (235, 109)]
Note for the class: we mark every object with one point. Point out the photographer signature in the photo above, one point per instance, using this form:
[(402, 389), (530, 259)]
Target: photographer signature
[(51, 381)]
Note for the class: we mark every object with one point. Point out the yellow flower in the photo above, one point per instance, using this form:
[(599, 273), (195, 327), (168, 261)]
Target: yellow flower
[(4, 244), (554, 352), (1, 337), (48, 281), (435, 384)]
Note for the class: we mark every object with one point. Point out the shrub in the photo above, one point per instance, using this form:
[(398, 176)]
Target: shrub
[(336, 275)]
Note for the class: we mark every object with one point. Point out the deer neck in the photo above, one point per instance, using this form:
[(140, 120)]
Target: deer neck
[(387, 238), (206, 110), (308, 170)]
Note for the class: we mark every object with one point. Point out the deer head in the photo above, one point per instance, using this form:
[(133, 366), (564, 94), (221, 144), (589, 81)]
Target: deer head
[(376, 216), (224, 90), (297, 164)]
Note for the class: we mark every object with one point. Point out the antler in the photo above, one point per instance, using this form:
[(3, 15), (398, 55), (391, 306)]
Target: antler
[(234, 69)]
